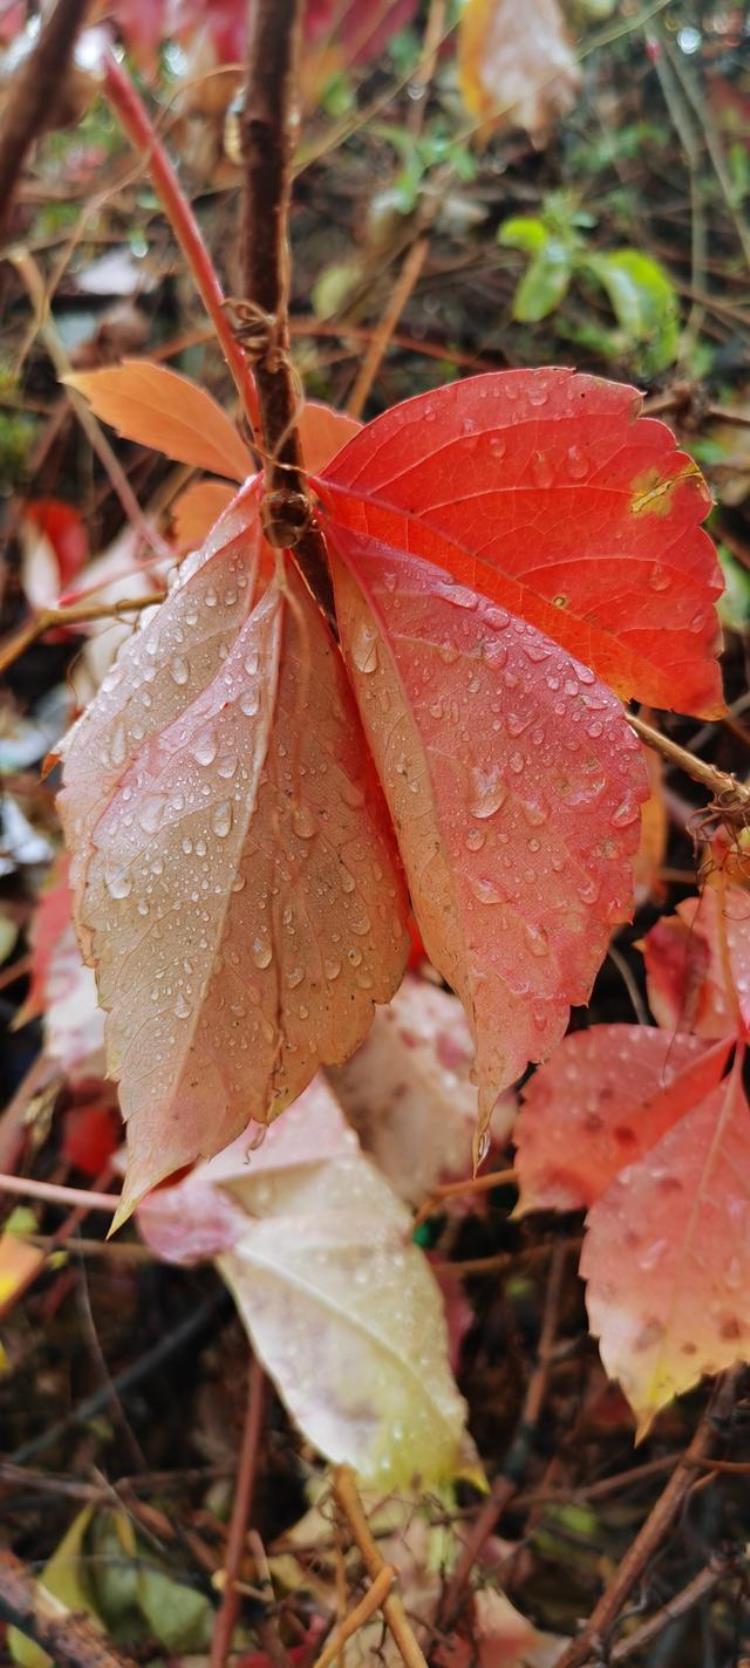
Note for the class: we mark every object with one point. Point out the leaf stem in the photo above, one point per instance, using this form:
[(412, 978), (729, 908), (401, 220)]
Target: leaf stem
[(349, 1503), (268, 127), (137, 124)]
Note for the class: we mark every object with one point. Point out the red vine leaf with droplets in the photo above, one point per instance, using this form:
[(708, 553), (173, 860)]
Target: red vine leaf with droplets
[(509, 556)]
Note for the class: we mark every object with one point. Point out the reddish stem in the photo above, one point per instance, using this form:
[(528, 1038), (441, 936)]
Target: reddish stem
[(136, 122), (243, 1499), (54, 1194)]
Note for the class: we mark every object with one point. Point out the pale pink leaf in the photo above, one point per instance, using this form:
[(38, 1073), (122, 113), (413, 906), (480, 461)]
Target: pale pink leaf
[(237, 887), (408, 1090)]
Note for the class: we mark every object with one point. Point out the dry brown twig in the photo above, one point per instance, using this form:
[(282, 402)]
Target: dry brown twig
[(243, 1499), (604, 1615), (71, 1641), (350, 1505)]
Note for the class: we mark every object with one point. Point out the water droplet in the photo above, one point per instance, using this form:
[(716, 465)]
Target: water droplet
[(119, 745), (516, 762), (365, 647), (542, 470), (332, 967), (118, 884), (577, 463), (485, 890), (179, 669), (295, 976), (348, 882), (250, 702), (659, 579), (626, 813), (262, 953), (475, 839), (182, 1007), (227, 766), (352, 794), (221, 819), (206, 748), (536, 940), (303, 822), (150, 813), (488, 792)]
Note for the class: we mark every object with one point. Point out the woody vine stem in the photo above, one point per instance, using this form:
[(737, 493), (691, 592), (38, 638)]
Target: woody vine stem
[(268, 127)]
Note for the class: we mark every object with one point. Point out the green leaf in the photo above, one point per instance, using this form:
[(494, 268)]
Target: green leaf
[(63, 1579), (734, 604), (544, 284), (523, 231), (643, 300)]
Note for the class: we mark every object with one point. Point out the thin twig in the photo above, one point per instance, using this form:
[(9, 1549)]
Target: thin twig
[(77, 614), (349, 1503), (506, 1483), (701, 1585), (71, 1641), (267, 130), (53, 1194), (455, 1190), (719, 783), (402, 289), (358, 1616), (136, 122), (30, 274), (243, 1498), (653, 1531), (33, 93)]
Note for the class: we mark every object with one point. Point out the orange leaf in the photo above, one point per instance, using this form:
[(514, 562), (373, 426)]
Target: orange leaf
[(323, 433), (515, 63), (514, 785), (603, 1100), (234, 866), (667, 1256), (161, 409), (197, 510)]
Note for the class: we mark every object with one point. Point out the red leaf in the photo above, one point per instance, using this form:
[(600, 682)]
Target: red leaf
[(160, 408), (603, 1101), (540, 489), (514, 784), (63, 527), (698, 964), (234, 869), (667, 1256), (90, 1132)]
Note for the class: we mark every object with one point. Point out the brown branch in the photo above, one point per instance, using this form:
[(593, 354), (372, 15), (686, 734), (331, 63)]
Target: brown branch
[(657, 1525), (267, 130), (34, 92), (349, 1503), (380, 341), (243, 1500), (71, 1641)]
